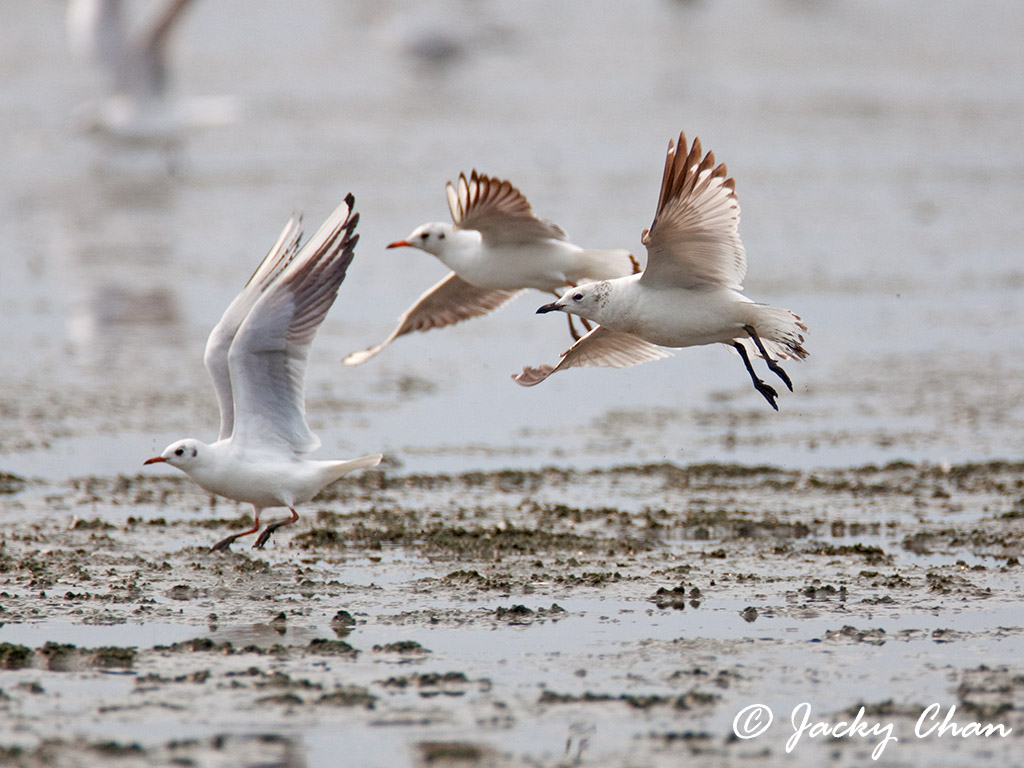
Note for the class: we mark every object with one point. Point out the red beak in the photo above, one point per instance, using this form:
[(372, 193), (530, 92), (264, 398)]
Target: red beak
[(400, 244), (154, 460)]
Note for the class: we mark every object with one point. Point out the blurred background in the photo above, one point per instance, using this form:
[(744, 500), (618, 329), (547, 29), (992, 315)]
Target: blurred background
[(876, 147)]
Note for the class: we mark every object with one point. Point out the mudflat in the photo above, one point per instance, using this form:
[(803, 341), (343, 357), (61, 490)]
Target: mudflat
[(492, 618)]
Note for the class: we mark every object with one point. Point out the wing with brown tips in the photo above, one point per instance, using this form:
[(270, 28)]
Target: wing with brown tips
[(694, 239), (450, 301), (496, 209), (600, 347)]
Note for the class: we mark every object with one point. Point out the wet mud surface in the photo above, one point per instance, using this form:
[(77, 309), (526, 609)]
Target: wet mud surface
[(607, 617)]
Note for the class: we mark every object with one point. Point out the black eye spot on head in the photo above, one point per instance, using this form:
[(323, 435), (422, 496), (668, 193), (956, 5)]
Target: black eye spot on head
[(577, 296), (424, 235), (194, 452), (180, 452), (441, 236)]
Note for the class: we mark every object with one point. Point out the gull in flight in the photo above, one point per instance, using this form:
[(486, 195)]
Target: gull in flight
[(137, 64), (256, 356), (496, 248), (690, 291)]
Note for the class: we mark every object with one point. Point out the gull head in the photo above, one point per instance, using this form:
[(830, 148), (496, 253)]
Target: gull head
[(585, 300), (432, 238), (184, 454)]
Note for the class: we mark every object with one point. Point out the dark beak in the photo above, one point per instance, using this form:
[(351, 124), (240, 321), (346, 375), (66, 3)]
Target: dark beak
[(154, 460), (552, 307)]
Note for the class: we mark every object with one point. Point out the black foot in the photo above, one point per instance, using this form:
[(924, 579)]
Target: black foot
[(224, 544), (769, 392), (264, 537), (777, 370), (773, 364)]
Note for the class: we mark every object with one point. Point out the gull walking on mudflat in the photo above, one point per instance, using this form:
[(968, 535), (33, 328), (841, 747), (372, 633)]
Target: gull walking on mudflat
[(690, 292), (496, 248), (257, 356)]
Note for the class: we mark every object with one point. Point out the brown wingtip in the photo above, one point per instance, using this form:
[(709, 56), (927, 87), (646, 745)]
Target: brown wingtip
[(685, 167), (532, 376)]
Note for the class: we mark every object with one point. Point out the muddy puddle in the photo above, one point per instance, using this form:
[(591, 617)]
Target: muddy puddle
[(490, 619)]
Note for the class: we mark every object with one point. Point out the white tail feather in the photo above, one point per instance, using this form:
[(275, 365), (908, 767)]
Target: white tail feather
[(341, 468), (781, 332)]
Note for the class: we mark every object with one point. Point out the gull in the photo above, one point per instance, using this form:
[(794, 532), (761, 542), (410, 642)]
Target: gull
[(496, 248), (257, 356), (136, 62), (690, 292)]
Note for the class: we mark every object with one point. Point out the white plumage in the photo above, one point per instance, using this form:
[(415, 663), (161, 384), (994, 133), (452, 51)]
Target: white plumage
[(257, 356), (690, 292), (496, 247)]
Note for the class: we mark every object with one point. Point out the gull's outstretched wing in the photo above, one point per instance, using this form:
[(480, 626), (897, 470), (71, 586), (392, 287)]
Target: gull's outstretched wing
[(497, 210), (152, 50), (219, 341), (268, 356), (600, 347), (450, 301), (694, 239), (137, 63)]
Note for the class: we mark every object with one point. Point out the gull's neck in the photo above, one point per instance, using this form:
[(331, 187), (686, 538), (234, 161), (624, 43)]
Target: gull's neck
[(461, 251)]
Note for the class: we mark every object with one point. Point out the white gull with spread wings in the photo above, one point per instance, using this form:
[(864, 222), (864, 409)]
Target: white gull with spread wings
[(257, 356), (496, 248), (690, 292)]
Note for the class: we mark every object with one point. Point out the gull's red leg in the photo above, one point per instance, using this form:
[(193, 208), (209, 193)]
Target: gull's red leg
[(223, 544)]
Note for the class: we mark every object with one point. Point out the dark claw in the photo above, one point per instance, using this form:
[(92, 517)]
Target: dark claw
[(769, 393), (264, 537), (777, 369), (224, 544)]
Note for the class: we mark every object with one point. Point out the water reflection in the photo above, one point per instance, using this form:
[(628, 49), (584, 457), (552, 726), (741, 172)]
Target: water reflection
[(116, 236)]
